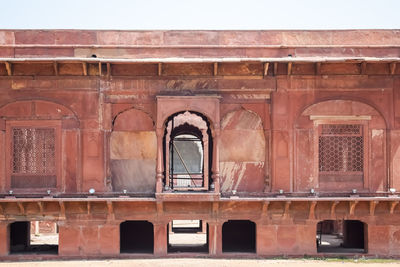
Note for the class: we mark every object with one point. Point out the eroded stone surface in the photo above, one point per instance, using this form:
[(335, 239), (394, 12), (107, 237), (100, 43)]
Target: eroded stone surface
[(242, 176), (133, 145), (133, 175)]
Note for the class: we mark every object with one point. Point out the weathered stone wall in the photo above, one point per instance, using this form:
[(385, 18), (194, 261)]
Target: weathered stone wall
[(133, 148), (263, 93), (243, 152), (293, 134)]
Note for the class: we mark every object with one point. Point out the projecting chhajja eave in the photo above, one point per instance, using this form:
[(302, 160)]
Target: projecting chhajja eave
[(255, 67), (62, 208)]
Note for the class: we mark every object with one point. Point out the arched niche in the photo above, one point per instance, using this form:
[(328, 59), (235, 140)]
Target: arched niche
[(318, 146), (133, 150), (28, 127), (242, 152)]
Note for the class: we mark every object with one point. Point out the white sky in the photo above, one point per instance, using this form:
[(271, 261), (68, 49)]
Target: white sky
[(200, 14)]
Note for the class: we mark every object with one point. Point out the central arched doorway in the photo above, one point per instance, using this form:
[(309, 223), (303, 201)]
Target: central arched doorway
[(187, 146)]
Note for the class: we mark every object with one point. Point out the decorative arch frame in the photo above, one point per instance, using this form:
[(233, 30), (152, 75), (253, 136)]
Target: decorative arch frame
[(208, 106), (62, 110), (41, 114), (119, 116), (346, 98), (365, 114)]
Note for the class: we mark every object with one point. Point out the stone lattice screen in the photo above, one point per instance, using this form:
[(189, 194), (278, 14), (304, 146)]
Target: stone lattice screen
[(33, 157), (341, 149)]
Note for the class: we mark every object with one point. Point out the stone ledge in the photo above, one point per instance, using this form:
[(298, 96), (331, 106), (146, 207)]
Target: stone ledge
[(188, 196)]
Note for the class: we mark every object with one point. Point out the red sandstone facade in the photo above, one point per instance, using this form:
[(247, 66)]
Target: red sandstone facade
[(294, 128)]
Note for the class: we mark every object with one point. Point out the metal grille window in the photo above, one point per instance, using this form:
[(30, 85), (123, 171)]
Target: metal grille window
[(33, 157), (341, 149), (186, 161)]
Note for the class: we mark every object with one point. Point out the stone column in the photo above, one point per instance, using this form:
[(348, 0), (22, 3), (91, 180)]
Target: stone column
[(378, 240), (215, 162), (167, 157), (80, 238), (4, 238), (160, 238), (69, 239), (215, 238), (3, 147), (205, 157), (266, 239), (160, 169), (267, 181), (109, 239)]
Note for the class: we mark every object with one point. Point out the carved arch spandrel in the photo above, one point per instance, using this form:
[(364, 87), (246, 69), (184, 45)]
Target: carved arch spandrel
[(206, 105), (209, 107)]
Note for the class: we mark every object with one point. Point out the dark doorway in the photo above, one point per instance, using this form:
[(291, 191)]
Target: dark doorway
[(187, 236), (33, 238), (340, 236), (239, 236), (136, 237)]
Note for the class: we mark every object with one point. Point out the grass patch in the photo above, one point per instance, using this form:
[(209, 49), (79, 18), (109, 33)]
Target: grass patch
[(354, 259)]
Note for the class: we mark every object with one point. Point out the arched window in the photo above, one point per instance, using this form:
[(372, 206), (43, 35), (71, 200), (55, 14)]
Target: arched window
[(39, 141), (346, 144), (187, 152)]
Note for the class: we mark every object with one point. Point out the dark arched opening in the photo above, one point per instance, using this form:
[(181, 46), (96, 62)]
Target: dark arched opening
[(136, 237), (341, 236), (36, 237), (239, 236), (187, 236)]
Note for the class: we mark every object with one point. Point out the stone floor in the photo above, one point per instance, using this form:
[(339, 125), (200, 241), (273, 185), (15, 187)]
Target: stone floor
[(333, 244), (188, 239), (44, 239), (199, 262)]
